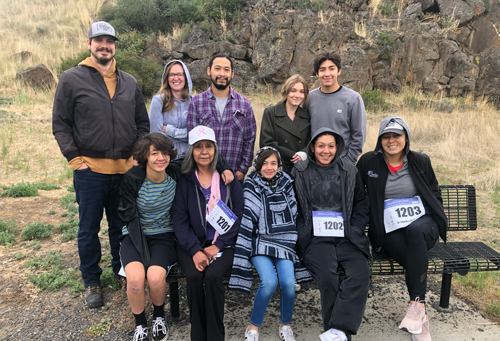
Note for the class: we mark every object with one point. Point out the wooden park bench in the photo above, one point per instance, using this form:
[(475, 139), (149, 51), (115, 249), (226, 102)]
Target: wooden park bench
[(459, 203)]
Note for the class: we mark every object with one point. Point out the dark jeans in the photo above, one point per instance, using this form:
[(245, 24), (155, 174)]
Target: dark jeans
[(342, 307), (94, 193), (409, 247), (205, 294)]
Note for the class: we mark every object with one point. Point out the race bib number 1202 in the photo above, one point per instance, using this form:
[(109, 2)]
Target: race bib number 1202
[(328, 224), (401, 212)]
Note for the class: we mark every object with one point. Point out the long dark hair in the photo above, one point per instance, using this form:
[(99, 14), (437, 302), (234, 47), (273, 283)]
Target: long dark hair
[(168, 99)]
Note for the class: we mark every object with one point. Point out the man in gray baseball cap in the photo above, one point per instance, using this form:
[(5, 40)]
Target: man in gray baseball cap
[(98, 114)]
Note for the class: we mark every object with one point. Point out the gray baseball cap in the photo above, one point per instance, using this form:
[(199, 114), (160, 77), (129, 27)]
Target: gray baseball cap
[(101, 28)]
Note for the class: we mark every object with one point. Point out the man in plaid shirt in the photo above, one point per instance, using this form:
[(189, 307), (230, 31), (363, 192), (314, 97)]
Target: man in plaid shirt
[(228, 113)]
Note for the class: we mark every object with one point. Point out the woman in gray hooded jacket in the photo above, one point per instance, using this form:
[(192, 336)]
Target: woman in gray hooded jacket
[(168, 112), (406, 212), (332, 216)]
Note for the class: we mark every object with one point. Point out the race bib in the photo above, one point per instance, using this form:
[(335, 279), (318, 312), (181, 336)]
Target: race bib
[(328, 224), (221, 218), (401, 212)]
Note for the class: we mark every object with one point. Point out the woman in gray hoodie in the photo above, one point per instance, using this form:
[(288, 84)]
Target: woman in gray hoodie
[(168, 112), (332, 216)]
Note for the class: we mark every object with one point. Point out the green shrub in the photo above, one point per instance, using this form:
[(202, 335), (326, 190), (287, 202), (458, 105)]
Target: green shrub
[(8, 231), (69, 229), (108, 279), (212, 8), (132, 41), (386, 39), (147, 74), (487, 5), (385, 9), (46, 187), (71, 62), (374, 99), (67, 200), (20, 190), (37, 231), (410, 101), (315, 5)]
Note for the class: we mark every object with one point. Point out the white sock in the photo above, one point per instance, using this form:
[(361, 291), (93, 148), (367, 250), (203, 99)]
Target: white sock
[(339, 333)]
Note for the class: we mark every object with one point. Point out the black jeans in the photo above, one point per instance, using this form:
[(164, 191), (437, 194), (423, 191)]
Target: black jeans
[(206, 294), (342, 308), (409, 247)]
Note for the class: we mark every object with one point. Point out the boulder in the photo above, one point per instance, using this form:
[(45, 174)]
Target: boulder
[(356, 72), (482, 36), (456, 9), (37, 76), (23, 55), (427, 4), (413, 11), (488, 81)]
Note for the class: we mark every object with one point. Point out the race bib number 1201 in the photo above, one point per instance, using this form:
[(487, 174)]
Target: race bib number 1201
[(221, 218), (401, 212), (328, 224)]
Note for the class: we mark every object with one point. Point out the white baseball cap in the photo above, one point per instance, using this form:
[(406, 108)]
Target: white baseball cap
[(199, 133)]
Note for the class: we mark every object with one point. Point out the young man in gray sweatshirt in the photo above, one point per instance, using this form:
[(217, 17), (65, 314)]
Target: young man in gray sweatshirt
[(337, 107)]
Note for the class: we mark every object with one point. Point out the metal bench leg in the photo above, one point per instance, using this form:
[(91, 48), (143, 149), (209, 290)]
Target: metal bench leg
[(444, 301), (174, 299)]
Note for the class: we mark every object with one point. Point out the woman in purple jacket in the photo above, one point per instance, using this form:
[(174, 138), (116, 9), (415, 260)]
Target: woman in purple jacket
[(204, 253)]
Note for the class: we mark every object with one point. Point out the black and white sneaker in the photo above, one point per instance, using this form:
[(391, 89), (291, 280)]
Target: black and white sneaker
[(160, 329), (141, 333)]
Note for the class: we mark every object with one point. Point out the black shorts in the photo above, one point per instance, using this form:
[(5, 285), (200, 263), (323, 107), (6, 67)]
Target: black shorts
[(161, 249)]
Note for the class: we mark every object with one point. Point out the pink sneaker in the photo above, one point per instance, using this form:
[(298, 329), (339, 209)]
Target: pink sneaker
[(425, 335), (414, 319)]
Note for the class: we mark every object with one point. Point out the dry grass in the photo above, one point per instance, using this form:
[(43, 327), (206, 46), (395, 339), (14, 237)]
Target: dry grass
[(49, 29)]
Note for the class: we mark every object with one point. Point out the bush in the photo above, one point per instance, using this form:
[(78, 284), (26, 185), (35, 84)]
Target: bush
[(386, 39), (213, 8), (374, 100), (67, 200), (385, 9), (69, 229), (147, 74), (8, 231), (132, 41), (37, 231), (20, 190), (70, 62), (410, 101)]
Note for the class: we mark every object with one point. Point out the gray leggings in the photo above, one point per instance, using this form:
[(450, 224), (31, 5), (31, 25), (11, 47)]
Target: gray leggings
[(409, 247)]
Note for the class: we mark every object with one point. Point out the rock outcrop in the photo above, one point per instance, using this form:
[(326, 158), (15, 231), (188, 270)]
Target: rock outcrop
[(449, 47)]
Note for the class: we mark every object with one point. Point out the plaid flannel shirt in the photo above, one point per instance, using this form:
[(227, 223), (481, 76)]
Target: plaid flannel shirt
[(235, 132)]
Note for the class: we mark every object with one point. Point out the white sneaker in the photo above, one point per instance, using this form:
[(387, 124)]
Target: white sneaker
[(251, 335), (425, 335), (414, 319), (286, 333), (333, 335)]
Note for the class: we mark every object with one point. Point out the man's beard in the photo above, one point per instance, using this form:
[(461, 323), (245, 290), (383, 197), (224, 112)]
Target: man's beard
[(220, 86), (103, 60)]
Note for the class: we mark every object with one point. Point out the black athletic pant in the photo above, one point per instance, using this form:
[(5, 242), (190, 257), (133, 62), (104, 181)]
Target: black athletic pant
[(206, 302), (409, 247), (342, 309)]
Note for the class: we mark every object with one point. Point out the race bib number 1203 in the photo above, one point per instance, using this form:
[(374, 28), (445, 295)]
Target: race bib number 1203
[(401, 212)]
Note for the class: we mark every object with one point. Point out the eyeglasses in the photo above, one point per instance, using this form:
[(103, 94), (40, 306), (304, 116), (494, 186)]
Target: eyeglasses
[(179, 75)]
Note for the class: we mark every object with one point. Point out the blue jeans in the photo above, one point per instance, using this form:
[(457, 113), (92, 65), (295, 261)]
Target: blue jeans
[(265, 266), (94, 193)]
